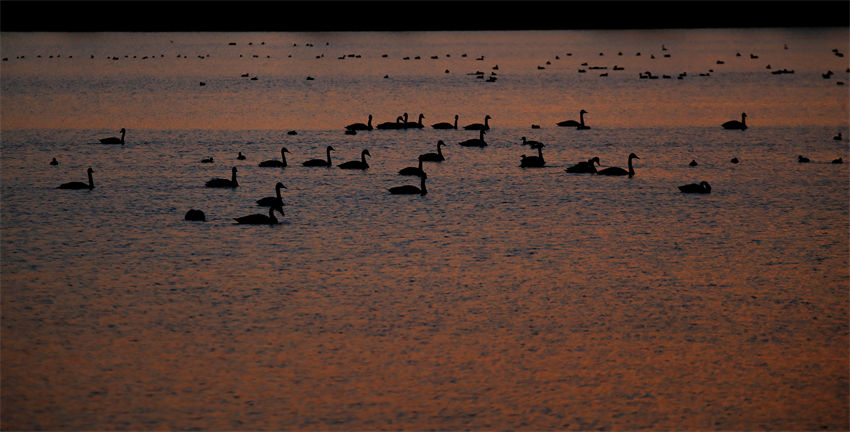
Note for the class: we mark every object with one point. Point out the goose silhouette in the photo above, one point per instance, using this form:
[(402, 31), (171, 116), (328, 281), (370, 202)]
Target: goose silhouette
[(617, 171), (80, 185), (276, 163), (355, 164), (114, 140), (224, 183), (320, 162)]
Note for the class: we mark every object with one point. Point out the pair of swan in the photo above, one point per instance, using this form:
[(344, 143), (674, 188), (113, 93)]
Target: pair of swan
[(80, 185), (114, 140), (576, 124), (402, 123)]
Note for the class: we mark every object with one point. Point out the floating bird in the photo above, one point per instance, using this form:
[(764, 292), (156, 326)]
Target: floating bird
[(224, 183), (533, 161), (577, 124), (735, 124), (80, 185), (207, 160), (693, 163), (803, 159), (617, 171), (479, 126), (585, 167), (837, 137), (415, 171), (355, 164), (195, 215), (398, 124), (240, 156), (838, 161), (703, 188), (275, 200), (276, 163), (446, 125), (54, 162), (260, 219), (532, 143), (414, 125), (320, 162), (360, 126), (475, 142), (411, 190), (434, 157), (114, 140)]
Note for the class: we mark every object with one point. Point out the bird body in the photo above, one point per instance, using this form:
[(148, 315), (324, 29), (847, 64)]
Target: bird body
[(260, 219), (224, 183), (475, 142), (276, 163), (114, 140), (837, 137), (585, 167), (803, 159), (207, 160), (240, 156), (80, 185), (434, 157), (703, 188), (411, 190), (446, 125), (195, 215), (617, 171), (735, 124), (361, 126), (479, 126), (361, 164), (320, 162)]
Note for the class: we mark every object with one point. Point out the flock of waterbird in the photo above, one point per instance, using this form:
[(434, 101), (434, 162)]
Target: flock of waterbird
[(275, 203)]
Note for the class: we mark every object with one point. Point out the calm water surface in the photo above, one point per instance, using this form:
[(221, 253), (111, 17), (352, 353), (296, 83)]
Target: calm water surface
[(505, 298)]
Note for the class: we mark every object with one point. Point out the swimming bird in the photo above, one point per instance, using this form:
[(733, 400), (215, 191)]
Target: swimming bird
[(576, 124), (446, 125), (703, 188), (276, 163), (398, 124), (434, 157), (532, 143), (54, 162), (533, 161), (320, 162), (838, 161), (240, 156), (260, 219), (803, 159), (114, 140), (735, 124), (475, 142), (617, 171), (207, 160), (360, 126), (80, 185), (416, 171), (734, 160), (275, 200), (585, 167), (693, 163), (479, 126), (411, 190), (355, 164), (414, 125), (223, 183), (195, 215), (837, 137)]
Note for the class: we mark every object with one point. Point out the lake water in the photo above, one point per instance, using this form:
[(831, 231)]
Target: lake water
[(505, 298)]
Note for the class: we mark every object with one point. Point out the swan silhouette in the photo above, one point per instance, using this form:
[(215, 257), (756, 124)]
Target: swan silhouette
[(320, 162), (411, 190), (838, 161), (434, 157), (479, 126), (54, 162), (532, 143), (79, 185), (533, 161), (617, 171), (276, 163), (240, 156), (114, 140), (703, 188), (414, 171), (224, 183), (398, 124), (355, 164), (275, 200), (360, 126), (693, 163), (414, 125), (446, 125), (803, 159), (837, 137), (475, 142), (195, 215), (260, 219), (735, 124), (585, 167), (207, 160), (576, 124)]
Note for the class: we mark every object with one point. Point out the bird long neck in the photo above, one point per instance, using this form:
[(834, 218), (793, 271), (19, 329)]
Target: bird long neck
[(329, 157), (277, 189), (421, 116), (122, 136), (420, 164), (91, 181), (540, 152), (456, 122), (631, 168), (422, 183), (363, 157), (439, 149), (744, 119), (369, 124), (272, 219), (486, 124), (233, 177), (283, 157), (581, 118), (481, 135)]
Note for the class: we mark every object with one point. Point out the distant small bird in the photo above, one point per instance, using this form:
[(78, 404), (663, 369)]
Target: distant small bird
[(195, 215), (838, 161), (703, 187), (693, 163), (114, 140), (240, 156), (734, 160), (207, 160), (54, 162), (803, 159), (837, 137)]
